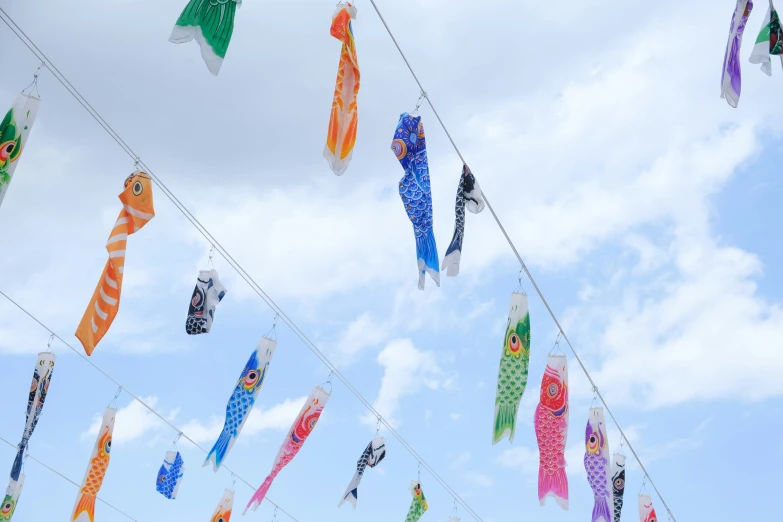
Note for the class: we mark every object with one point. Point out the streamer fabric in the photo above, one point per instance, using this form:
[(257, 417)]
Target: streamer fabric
[(512, 376), (242, 400), (302, 428), (211, 24), (597, 465), (137, 210), (42, 376), (11, 499), (170, 475), (468, 196), (731, 81), (646, 509), (551, 426), (371, 456), (410, 147), (14, 130), (618, 484), (223, 510), (344, 116), (418, 504), (84, 510), (208, 293), (769, 41)]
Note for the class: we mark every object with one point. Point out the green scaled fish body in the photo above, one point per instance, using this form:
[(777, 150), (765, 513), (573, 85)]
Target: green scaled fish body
[(514, 361)]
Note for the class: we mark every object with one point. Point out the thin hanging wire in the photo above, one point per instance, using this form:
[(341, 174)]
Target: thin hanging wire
[(34, 83), (135, 397), (251, 282), (519, 258), (27, 455)]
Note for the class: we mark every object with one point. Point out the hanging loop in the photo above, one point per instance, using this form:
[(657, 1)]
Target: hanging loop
[(520, 288), (422, 96), (274, 515), (34, 83), (176, 439), (113, 403), (556, 346), (644, 483), (211, 255), (328, 381), (49, 343), (272, 333), (378, 427), (595, 397), (419, 475)]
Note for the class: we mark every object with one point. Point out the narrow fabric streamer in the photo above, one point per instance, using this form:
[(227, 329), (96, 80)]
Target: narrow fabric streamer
[(242, 400), (618, 484), (209, 291), (84, 510), (468, 196), (223, 510), (597, 465), (769, 41), (211, 23), (170, 475), (418, 504), (344, 116), (372, 455), (551, 426), (512, 376), (731, 80), (301, 429), (42, 376), (410, 147), (137, 210), (646, 509), (14, 129), (11, 499)]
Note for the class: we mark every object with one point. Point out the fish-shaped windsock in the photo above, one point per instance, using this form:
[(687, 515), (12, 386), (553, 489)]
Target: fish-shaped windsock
[(512, 376), (731, 80), (208, 293), (646, 509), (297, 435), (618, 484), (223, 510), (344, 117), (371, 456), (84, 510), (242, 400), (42, 376), (469, 196), (14, 129), (11, 498), (410, 147), (170, 475), (418, 504), (211, 24), (137, 210), (769, 41), (597, 465), (551, 426)]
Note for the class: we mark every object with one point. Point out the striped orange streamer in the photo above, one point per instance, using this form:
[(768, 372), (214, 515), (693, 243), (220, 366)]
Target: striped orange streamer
[(137, 210)]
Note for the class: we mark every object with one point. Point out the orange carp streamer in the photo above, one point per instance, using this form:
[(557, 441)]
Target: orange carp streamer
[(344, 117), (137, 210)]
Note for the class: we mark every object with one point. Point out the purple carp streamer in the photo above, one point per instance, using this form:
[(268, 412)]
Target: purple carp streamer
[(302, 428), (731, 81), (242, 400), (597, 465), (39, 387), (372, 455)]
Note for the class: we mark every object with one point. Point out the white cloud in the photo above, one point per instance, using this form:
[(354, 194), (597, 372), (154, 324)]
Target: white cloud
[(478, 479), (406, 371), (133, 422), (461, 459), (521, 457)]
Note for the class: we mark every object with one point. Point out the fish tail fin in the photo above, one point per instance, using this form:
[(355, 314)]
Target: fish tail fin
[(554, 485), (84, 504), (210, 25), (16, 468), (601, 510), (452, 257), (219, 450), (427, 254), (505, 422), (259, 495)]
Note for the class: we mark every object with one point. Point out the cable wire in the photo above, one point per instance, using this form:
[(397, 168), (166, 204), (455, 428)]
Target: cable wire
[(135, 397), (27, 455), (224, 253), (522, 263)]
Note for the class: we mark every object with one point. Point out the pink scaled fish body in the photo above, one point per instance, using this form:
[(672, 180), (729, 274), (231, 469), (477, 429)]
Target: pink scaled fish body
[(551, 426)]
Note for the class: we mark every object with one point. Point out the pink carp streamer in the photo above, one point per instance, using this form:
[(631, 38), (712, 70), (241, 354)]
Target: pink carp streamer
[(302, 428), (551, 425)]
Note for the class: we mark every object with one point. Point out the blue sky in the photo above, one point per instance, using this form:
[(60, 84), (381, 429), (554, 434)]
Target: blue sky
[(644, 205)]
